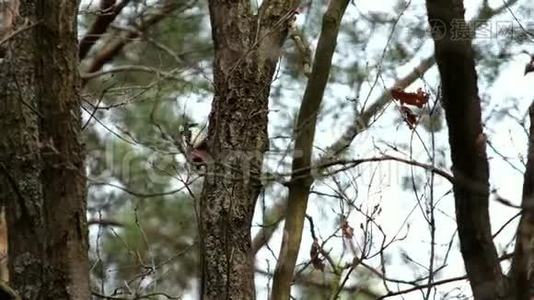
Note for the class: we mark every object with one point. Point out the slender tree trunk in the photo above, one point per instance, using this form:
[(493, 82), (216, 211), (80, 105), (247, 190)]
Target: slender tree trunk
[(247, 48), (454, 56), (304, 133), (42, 171), (521, 273)]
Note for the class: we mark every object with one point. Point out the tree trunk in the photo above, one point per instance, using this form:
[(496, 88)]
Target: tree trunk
[(21, 165), (41, 156), (245, 61), (521, 273), (454, 56), (304, 134)]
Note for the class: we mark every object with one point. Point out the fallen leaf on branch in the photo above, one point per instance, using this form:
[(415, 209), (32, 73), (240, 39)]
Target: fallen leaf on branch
[(419, 98)]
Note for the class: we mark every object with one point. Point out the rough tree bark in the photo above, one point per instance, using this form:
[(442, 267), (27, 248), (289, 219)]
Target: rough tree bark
[(20, 166), (42, 175), (454, 57), (247, 48)]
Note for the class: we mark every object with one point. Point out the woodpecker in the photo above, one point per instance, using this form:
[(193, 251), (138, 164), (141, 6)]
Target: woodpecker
[(199, 154), (196, 144)]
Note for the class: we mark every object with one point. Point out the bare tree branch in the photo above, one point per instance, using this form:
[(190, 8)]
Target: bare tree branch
[(318, 280), (111, 49), (131, 68), (109, 10)]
